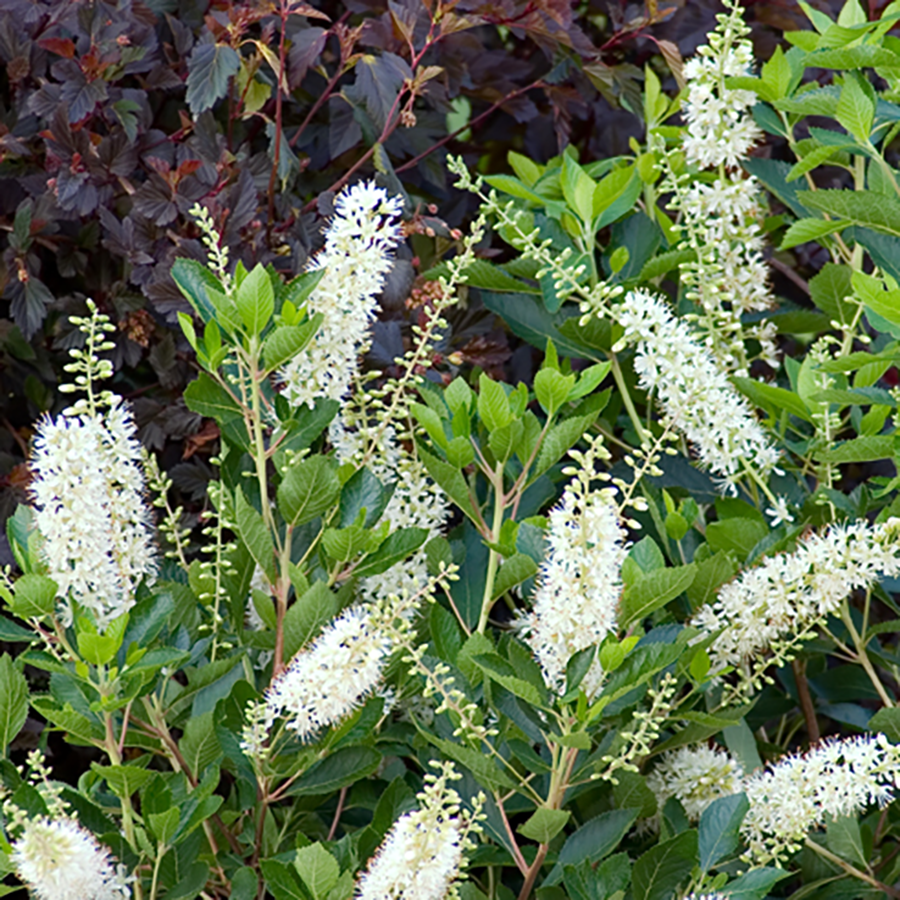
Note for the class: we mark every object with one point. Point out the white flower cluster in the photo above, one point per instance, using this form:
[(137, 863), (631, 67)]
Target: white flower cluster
[(695, 776), (327, 680), (800, 792), (60, 860), (719, 129), (417, 502), (579, 583), (720, 220), (694, 392), (88, 491), (422, 855), (359, 242), (788, 594)]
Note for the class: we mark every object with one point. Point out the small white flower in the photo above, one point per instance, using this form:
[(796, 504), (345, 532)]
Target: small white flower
[(60, 860), (422, 854), (779, 512), (695, 776), (800, 792), (788, 594), (693, 390), (90, 512), (359, 243), (579, 583), (327, 680)]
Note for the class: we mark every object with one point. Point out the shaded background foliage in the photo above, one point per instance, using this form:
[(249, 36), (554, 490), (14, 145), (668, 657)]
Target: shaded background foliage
[(116, 117)]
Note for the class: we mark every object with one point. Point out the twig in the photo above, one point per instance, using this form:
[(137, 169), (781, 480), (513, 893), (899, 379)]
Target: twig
[(806, 703), (337, 814)]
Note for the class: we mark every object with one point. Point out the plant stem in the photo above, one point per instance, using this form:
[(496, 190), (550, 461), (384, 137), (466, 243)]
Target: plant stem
[(863, 657), (626, 399), (852, 870), (806, 704), (493, 555), (533, 871)]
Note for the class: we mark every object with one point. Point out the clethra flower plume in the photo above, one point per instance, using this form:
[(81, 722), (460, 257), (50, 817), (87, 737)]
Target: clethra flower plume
[(787, 595), (88, 491), (327, 680), (695, 394), (422, 855), (579, 581), (803, 791), (359, 242), (60, 860), (695, 776)]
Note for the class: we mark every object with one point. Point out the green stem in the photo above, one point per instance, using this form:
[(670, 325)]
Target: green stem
[(154, 884), (863, 657), (852, 870), (493, 555), (626, 399)]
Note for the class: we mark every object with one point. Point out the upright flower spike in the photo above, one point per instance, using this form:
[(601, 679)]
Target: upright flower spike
[(695, 776), (579, 581), (327, 680), (422, 855), (60, 860), (787, 595), (695, 394), (90, 512), (359, 243), (803, 791)]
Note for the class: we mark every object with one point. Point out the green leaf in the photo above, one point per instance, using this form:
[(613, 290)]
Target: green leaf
[(578, 189), (504, 673), (164, 825), (666, 262), (309, 613), (845, 839), (564, 435), (856, 110), (525, 168), (773, 174), (254, 534), (861, 449), (515, 570), (755, 884), (493, 404), (199, 744), (804, 230), (660, 870), (286, 341), (317, 869), (738, 534), (124, 781), (544, 824), (207, 398), (399, 545), (451, 481), (486, 771), (771, 398), (363, 491), (741, 742), (777, 75), (596, 839), (829, 288), (310, 488), (887, 721), (431, 422), (13, 701), (711, 574), (863, 56), (198, 285), (867, 208), (255, 299), (653, 590), (209, 68), (281, 880), (34, 596), (338, 770), (719, 829), (552, 389), (515, 188), (812, 160)]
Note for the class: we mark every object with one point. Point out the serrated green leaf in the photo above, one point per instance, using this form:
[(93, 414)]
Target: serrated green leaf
[(515, 570), (399, 545), (662, 868), (804, 230), (286, 341), (13, 701), (493, 404), (867, 208), (654, 590), (309, 488), (317, 869), (255, 299), (544, 824), (254, 534)]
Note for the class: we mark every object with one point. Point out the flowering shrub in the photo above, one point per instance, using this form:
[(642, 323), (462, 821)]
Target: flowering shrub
[(445, 636)]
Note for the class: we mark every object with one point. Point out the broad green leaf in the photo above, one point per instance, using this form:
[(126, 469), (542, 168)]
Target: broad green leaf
[(255, 299), (552, 389), (363, 491), (737, 534), (484, 275), (578, 188), (515, 188), (451, 481), (254, 534), (282, 880), (666, 262), (741, 742), (866, 208), (861, 449), (594, 841), (755, 884), (199, 744), (660, 870), (710, 575), (207, 398), (771, 398), (33, 596), (719, 829), (306, 617), (431, 422), (286, 341), (309, 488), (164, 825), (493, 404), (487, 772), (863, 56), (317, 869), (776, 74), (340, 769), (544, 824), (198, 285), (515, 570), (505, 674), (399, 545), (887, 721), (845, 839), (816, 157), (804, 230), (527, 170), (856, 110), (13, 701), (652, 591)]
